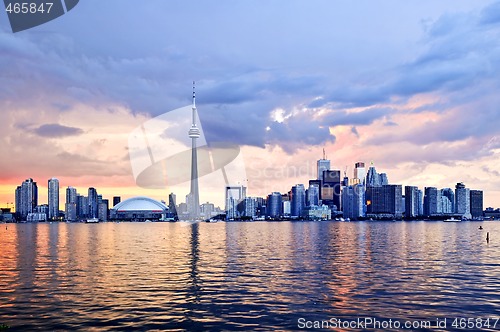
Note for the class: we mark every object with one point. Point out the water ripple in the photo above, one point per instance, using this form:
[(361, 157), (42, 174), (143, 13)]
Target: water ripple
[(240, 276)]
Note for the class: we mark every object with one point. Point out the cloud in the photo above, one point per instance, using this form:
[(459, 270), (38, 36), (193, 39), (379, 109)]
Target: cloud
[(359, 118), (55, 130), (491, 14)]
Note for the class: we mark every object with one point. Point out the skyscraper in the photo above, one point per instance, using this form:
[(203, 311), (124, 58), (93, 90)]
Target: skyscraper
[(462, 200), (26, 198), (323, 165), (360, 172), (93, 203), (234, 195), (411, 202), (82, 206), (432, 201), (249, 207), (372, 178), (385, 199), (18, 200), (53, 195), (194, 134), (172, 204), (330, 188), (298, 200), (313, 194), (274, 205), (446, 205), (70, 207), (383, 179), (353, 201), (476, 203), (103, 209), (71, 195), (448, 193)]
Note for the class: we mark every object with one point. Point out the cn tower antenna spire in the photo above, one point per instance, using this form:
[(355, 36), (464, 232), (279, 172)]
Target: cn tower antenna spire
[(194, 95)]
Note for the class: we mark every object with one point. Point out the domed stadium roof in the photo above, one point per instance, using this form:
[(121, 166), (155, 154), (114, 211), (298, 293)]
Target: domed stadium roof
[(140, 203)]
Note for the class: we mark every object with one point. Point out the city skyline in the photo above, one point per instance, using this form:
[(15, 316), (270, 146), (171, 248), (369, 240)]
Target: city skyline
[(414, 92), (371, 177)]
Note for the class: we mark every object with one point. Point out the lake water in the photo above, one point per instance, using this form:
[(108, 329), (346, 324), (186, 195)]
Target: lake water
[(240, 276)]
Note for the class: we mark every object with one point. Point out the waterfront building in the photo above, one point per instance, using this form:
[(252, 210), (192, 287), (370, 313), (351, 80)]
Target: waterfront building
[(274, 205), (249, 207), (384, 200), (36, 217), (42, 209), (450, 194), (360, 172), (260, 206), (70, 211), (53, 198), (70, 207), (331, 188), (17, 200), (207, 210), (432, 202), (231, 208), (71, 195), (103, 210), (318, 184), (446, 205), (182, 210), (476, 203), (82, 206), (116, 200), (313, 194), (314, 212), (287, 207), (298, 202), (353, 201), (420, 202), (412, 209), (26, 198), (462, 200), (234, 195), (93, 203), (139, 209), (172, 204)]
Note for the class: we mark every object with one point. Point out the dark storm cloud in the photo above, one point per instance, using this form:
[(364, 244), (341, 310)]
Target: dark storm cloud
[(55, 130)]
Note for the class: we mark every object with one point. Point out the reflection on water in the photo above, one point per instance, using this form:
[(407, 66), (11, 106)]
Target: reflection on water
[(260, 275)]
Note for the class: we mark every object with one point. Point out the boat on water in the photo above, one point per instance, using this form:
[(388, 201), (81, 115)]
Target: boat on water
[(92, 220), (452, 219)]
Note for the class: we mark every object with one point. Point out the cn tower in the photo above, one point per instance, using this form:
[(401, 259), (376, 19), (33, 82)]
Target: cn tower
[(194, 133)]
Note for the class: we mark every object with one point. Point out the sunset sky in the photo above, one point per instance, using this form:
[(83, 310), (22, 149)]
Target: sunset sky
[(413, 86)]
